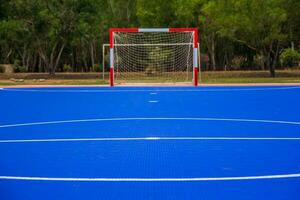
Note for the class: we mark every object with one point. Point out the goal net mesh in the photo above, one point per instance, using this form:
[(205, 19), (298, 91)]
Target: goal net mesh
[(153, 57)]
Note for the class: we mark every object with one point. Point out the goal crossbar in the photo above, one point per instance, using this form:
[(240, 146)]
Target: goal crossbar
[(160, 44)]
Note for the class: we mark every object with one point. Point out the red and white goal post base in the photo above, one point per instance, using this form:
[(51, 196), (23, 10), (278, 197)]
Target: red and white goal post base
[(194, 31)]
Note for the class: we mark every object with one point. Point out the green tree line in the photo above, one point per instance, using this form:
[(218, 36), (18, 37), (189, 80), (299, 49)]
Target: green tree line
[(46, 35)]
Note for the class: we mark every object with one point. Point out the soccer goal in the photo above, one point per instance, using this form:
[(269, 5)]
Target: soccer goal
[(153, 56)]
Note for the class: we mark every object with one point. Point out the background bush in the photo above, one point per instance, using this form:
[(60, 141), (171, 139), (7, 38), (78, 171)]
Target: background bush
[(18, 68), (290, 57), (98, 68), (67, 68)]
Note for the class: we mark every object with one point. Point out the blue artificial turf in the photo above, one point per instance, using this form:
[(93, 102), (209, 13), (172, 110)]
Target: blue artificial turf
[(150, 112)]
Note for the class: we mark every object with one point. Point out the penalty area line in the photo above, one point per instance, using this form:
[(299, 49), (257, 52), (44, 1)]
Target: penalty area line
[(28, 178)]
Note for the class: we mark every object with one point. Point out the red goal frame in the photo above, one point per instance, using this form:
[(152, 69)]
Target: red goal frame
[(136, 30)]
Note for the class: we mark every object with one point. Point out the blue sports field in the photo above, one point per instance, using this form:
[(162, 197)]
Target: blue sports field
[(212, 143)]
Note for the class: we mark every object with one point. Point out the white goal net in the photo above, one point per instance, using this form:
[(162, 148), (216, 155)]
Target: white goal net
[(152, 57)]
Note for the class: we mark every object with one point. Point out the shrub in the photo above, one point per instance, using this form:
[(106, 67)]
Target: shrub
[(151, 71), (22, 69), (67, 68), (237, 62), (289, 57), (258, 61), (18, 67), (97, 68)]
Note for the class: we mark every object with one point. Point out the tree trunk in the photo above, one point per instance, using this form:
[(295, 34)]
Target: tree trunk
[(6, 59), (51, 66), (51, 71), (92, 54), (73, 61), (210, 41), (27, 63), (52, 62), (226, 61), (262, 62), (45, 58), (23, 56), (269, 61), (40, 64), (58, 57), (34, 63), (274, 60), (272, 71), (213, 55), (85, 63)]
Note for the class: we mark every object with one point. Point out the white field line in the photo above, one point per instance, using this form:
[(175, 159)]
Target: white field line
[(153, 93), (150, 90), (29, 178), (152, 101), (152, 118), (144, 139)]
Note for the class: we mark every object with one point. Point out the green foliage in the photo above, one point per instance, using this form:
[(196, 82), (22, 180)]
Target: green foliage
[(17, 65), (237, 62), (18, 68), (156, 13), (72, 31), (12, 33), (293, 20), (156, 58), (152, 70), (290, 57), (97, 68), (256, 25), (67, 68), (251, 22)]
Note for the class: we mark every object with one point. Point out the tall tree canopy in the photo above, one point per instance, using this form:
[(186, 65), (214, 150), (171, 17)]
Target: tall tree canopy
[(46, 35)]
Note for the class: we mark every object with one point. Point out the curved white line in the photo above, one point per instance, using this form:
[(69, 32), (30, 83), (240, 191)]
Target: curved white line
[(28, 178), (154, 90), (152, 118), (142, 139)]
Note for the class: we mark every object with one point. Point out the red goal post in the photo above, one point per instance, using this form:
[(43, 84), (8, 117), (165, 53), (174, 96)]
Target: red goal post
[(194, 31)]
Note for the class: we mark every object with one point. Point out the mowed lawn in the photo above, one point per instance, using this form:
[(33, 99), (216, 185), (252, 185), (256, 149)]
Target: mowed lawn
[(218, 77)]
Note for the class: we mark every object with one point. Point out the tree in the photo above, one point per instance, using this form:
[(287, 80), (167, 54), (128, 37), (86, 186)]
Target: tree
[(255, 24), (43, 35), (12, 37), (192, 14), (290, 57), (292, 26), (155, 13)]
